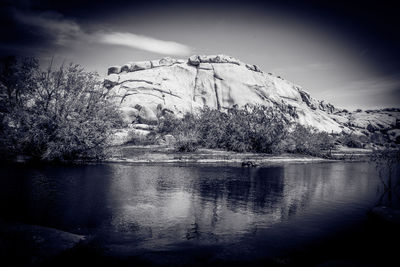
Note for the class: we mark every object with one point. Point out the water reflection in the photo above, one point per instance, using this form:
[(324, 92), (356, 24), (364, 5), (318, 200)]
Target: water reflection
[(158, 205)]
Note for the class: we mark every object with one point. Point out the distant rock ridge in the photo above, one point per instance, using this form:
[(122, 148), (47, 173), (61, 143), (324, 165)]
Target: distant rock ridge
[(146, 90)]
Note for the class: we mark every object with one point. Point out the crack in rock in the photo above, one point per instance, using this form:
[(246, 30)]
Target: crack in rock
[(133, 80), (195, 84), (138, 93), (150, 89), (216, 89)]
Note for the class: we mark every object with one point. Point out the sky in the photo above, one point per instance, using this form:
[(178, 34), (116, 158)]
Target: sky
[(346, 53)]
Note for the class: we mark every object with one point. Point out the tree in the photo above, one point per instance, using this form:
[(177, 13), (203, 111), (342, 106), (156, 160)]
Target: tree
[(62, 114), (310, 141)]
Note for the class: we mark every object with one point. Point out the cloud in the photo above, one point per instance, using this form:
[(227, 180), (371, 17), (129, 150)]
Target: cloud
[(367, 92), (51, 25), (373, 86), (48, 30), (144, 43)]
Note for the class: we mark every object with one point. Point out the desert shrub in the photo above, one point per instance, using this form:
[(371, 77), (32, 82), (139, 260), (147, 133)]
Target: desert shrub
[(59, 114), (352, 140), (187, 134), (212, 126), (257, 129), (167, 123), (308, 140), (186, 142), (254, 128), (251, 129), (379, 138)]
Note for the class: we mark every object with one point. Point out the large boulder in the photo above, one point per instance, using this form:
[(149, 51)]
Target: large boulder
[(218, 59), (222, 82), (114, 70), (129, 114), (194, 60), (147, 115), (167, 61), (111, 80), (32, 245), (142, 65), (126, 67)]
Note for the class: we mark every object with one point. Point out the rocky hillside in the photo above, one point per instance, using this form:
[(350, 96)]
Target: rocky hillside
[(148, 89)]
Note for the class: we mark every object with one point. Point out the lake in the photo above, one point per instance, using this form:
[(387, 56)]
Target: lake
[(185, 214)]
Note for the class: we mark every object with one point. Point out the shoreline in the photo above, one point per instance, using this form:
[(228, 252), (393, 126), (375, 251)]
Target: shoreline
[(165, 154)]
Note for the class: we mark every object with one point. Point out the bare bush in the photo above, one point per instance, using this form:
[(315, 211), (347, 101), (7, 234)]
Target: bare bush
[(61, 114)]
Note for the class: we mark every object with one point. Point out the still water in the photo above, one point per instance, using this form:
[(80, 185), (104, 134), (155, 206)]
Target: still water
[(246, 212)]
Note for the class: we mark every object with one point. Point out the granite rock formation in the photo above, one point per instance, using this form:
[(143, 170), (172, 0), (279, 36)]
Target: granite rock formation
[(146, 90), (220, 82)]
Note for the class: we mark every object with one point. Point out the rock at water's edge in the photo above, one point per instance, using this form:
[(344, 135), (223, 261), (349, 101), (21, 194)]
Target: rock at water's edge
[(30, 244)]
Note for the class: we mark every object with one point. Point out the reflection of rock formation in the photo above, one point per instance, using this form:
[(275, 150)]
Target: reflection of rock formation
[(215, 203), (156, 205)]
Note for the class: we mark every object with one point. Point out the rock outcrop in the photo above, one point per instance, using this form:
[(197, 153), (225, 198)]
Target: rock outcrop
[(369, 121), (148, 89), (220, 82)]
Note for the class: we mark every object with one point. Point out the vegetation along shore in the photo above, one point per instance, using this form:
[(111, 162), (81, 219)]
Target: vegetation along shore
[(67, 114)]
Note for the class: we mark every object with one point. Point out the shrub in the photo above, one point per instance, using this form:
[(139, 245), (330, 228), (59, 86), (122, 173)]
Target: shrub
[(167, 123), (379, 138), (251, 129), (308, 140), (254, 128), (186, 143), (258, 129), (212, 126), (187, 134), (59, 114), (352, 140)]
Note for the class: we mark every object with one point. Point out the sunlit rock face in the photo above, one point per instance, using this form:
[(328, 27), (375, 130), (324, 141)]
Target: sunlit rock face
[(217, 81)]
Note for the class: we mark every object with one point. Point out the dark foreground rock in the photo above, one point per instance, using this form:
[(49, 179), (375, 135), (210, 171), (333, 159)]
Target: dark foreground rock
[(386, 215), (341, 263), (27, 245)]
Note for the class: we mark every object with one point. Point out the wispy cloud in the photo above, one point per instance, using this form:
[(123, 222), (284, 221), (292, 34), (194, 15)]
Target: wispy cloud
[(50, 29), (52, 25), (144, 43), (365, 93)]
